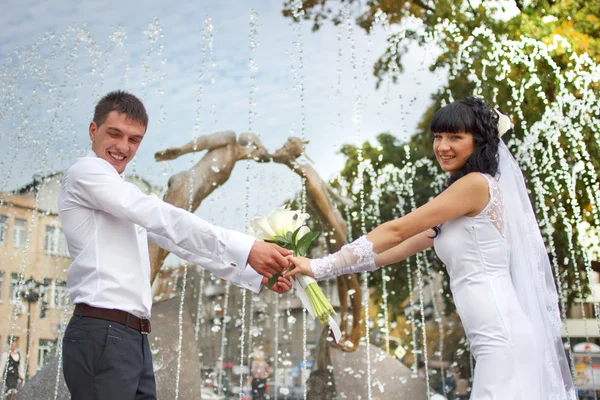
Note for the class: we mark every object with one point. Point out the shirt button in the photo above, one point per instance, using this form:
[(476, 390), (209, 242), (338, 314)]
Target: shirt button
[(249, 283), (233, 264)]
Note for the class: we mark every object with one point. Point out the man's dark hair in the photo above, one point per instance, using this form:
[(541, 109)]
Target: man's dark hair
[(121, 102)]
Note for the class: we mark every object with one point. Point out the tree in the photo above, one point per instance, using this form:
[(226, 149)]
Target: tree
[(518, 63)]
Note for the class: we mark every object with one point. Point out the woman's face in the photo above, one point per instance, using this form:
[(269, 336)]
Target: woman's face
[(452, 150)]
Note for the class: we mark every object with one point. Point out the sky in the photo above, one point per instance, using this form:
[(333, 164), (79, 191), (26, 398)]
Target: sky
[(59, 57)]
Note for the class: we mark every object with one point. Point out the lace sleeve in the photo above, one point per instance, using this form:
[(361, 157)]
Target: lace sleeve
[(357, 256)]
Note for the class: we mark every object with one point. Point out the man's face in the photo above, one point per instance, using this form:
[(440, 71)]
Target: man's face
[(117, 139)]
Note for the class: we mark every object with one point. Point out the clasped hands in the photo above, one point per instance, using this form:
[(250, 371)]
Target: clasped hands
[(269, 259)]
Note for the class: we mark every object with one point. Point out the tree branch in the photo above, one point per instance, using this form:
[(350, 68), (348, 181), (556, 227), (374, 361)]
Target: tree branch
[(423, 5), (519, 4), (471, 7)]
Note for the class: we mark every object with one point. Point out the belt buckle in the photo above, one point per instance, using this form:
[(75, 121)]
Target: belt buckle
[(144, 326)]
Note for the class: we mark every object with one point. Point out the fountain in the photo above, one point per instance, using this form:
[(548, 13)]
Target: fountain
[(217, 325)]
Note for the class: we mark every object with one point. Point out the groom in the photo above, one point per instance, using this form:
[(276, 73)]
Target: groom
[(108, 222)]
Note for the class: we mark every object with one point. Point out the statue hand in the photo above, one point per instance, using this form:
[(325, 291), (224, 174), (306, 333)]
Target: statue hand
[(268, 259), (301, 265), (168, 154)]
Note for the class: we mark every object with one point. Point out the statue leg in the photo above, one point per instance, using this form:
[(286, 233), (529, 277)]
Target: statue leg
[(343, 295), (208, 142), (178, 195), (358, 315)]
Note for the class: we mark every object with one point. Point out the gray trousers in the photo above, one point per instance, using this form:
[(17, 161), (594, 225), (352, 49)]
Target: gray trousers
[(106, 360)]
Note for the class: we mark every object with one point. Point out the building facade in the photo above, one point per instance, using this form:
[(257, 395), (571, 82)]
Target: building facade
[(32, 246)]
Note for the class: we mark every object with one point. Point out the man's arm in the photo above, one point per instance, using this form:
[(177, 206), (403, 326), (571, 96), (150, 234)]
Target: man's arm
[(246, 277), (93, 183)]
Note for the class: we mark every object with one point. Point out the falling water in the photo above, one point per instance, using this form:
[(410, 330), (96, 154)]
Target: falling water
[(223, 338), (190, 203), (253, 66), (277, 351), (413, 205), (357, 119), (180, 322), (35, 68), (199, 314), (27, 131), (298, 75)]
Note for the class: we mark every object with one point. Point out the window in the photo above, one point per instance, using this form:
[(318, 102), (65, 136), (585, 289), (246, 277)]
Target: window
[(19, 233), (57, 290), (55, 242), (3, 229), (14, 283), (46, 350)]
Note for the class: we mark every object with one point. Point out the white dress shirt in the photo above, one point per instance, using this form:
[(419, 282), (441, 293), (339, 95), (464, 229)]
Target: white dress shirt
[(108, 221)]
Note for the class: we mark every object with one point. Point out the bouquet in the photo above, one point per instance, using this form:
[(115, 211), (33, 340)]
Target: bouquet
[(286, 228)]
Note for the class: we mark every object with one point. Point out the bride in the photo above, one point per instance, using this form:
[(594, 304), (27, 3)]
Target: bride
[(483, 228)]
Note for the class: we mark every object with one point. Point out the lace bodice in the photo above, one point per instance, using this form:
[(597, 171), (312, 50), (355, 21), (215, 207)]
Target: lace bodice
[(495, 210)]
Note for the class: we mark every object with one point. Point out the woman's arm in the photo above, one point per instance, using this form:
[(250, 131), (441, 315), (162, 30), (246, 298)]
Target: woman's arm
[(467, 196), (409, 247)]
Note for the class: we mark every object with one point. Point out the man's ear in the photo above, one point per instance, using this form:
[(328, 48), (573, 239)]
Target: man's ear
[(92, 130)]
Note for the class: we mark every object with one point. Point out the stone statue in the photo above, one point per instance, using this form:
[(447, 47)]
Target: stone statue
[(215, 168), (212, 171)]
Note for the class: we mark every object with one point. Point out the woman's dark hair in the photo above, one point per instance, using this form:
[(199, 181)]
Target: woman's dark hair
[(471, 115)]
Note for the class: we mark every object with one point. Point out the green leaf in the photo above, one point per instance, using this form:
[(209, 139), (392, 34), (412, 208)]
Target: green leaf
[(288, 236), (282, 239), (305, 242), (295, 234), (273, 280)]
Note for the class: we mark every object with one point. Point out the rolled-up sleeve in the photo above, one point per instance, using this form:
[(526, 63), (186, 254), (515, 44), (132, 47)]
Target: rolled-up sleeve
[(95, 184)]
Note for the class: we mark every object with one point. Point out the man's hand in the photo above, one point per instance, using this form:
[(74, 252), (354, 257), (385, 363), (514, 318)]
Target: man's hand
[(282, 285), (268, 259)]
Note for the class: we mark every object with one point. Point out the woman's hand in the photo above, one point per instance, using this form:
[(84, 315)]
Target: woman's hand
[(301, 265)]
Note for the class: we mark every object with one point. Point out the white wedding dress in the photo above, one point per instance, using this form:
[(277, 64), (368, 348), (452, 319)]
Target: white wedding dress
[(476, 254), (503, 288)]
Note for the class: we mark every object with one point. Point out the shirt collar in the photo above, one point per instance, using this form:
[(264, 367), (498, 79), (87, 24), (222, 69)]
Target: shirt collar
[(91, 153)]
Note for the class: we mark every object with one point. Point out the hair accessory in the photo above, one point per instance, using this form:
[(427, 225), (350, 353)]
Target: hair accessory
[(504, 123)]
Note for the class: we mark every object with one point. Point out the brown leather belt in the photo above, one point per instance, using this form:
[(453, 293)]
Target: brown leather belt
[(122, 317)]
